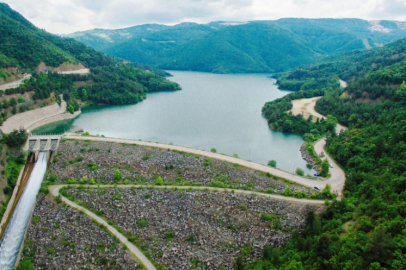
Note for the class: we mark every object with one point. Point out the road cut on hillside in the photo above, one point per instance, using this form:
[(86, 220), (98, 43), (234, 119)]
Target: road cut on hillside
[(38, 117)]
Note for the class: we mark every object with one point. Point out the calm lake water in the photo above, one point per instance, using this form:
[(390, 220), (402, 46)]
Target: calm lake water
[(212, 111)]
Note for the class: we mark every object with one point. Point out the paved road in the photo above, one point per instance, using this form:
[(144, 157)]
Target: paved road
[(14, 84), (249, 164), (133, 249)]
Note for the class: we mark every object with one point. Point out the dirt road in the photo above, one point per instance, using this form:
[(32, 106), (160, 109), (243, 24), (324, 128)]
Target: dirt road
[(35, 118), (249, 164), (54, 190), (14, 84)]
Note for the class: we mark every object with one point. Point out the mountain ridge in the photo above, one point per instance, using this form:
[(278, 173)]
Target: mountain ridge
[(181, 46)]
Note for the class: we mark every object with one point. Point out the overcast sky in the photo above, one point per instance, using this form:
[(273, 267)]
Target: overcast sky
[(67, 16)]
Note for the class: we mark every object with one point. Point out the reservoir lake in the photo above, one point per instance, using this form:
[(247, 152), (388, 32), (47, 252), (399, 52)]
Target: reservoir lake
[(211, 111)]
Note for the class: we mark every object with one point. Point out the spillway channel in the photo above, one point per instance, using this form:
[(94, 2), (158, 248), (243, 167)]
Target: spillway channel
[(15, 231)]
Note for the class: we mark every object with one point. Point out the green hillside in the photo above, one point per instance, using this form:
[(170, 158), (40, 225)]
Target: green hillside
[(350, 67), (24, 46), (365, 229), (258, 46)]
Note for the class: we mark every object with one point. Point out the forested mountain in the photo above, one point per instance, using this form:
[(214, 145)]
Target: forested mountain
[(350, 66), (366, 229), (24, 46), (257, 46)]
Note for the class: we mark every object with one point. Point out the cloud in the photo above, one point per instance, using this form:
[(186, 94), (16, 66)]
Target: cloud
[(66, 16)]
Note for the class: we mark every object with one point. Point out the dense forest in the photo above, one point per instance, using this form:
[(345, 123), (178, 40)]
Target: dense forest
[(255, 46), (365, 229), (350, 67), (111, 81)]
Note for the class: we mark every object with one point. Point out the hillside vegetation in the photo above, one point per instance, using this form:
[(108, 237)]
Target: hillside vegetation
[(365, 230), (350, 67), (258, 46), (111, 81)]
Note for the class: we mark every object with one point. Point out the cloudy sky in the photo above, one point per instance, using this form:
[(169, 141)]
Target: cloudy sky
[(67, 16)]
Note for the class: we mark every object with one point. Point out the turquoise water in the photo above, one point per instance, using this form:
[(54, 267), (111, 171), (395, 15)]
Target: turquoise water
[(212, 111)]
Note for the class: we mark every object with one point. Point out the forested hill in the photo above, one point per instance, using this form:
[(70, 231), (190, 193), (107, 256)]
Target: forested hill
[(28, 45), (229, 47), (24, 46), (350, 67), (366, 229)]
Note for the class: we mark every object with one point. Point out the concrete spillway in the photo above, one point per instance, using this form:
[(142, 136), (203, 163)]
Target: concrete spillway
[(14, 234)]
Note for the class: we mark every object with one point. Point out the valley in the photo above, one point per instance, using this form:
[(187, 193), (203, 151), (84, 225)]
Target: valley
[(180, 168)]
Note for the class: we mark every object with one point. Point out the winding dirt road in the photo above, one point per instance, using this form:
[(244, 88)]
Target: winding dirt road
[(306, 108), (54, 190), (14, 84)]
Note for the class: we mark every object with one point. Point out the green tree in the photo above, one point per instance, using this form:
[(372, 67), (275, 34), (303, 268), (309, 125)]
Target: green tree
[(25, 265), (13, 101), (84, 94), (118, 175), (239, 263), (325, 168), (71, 109), (272, 163), (75, 92), (327, 191), (159, 181), (288, 192), (323, 247), (17, 138), (300, 172)]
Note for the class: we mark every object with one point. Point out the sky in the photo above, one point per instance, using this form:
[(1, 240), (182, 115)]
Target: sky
[(68, 16)]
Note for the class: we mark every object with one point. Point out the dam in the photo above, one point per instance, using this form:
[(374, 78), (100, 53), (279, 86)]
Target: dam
[(14, 224)]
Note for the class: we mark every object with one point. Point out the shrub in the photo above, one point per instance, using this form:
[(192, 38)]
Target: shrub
[(58, 199), (288, 192), (52, 178), (83, 180), (213, 150), (159, 181), (300, 172), (300, 194), (92, 166), (272, 163), (142, 223), (7, 190), (92, 181), (118, 175), (25, 265), (327, 191), (267, 217), (243, 206), (215, 183), (191, 238), (169, 235), (72, 181)]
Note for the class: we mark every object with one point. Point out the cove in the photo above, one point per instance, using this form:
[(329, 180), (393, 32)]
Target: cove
[(211, 111)]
